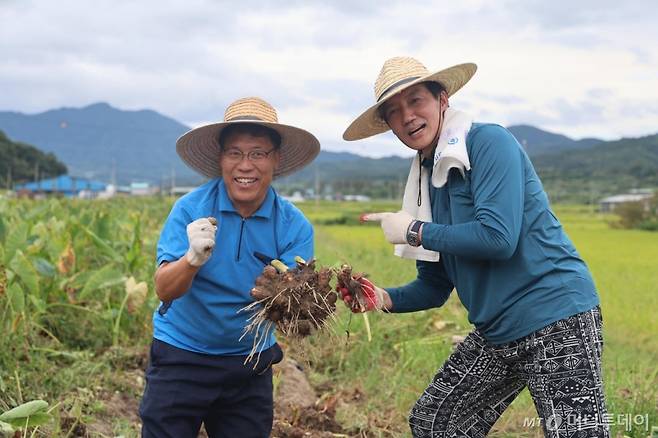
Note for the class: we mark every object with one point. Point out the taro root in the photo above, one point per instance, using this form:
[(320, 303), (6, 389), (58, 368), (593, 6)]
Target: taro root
[(297, 301), (349, 280)]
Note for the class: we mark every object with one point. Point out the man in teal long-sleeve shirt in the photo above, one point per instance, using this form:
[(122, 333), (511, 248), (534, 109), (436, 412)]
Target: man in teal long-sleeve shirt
[(480, 223)]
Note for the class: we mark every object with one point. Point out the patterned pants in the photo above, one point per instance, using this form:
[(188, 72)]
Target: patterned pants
[(560, 364)]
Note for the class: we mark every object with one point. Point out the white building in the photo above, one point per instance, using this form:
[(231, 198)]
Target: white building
[(608, 205)]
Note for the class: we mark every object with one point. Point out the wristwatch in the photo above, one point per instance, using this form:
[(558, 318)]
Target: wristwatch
[(413, 236)]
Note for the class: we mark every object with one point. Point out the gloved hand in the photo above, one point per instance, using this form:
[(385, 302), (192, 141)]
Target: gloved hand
[(395, 225), (370, 298), (201, 236)]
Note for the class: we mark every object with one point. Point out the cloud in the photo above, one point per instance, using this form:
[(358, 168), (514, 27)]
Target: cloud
[(583, 69)]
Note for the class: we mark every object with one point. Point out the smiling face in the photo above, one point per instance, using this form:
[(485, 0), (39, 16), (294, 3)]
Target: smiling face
[(415, 117), (247, 178)]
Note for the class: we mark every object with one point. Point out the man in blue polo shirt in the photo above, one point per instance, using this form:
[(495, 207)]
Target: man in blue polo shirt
[(476, 218), (211, 249)]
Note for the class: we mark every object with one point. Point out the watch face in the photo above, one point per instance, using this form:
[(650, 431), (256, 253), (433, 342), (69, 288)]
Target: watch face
[(412, 234), (412, 239)]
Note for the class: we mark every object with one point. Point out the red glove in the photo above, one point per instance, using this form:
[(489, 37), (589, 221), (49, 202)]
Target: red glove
[(369, 297)]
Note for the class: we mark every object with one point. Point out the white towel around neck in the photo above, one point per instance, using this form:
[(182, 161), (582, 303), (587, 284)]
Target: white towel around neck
[(450, 153)]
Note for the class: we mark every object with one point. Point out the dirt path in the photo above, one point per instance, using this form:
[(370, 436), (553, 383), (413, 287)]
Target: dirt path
[(298, 411)]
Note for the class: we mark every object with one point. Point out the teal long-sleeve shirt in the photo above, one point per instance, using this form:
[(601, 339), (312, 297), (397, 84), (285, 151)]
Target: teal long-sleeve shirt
[(502, 248)]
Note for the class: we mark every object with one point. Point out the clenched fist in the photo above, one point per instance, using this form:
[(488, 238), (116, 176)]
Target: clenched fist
[(201, 236)]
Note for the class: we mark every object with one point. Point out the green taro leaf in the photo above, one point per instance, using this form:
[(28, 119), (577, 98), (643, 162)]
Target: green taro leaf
[(44, 267), (31, 421), (103, 245), (25, 410), (16, 240), (38, 303), (103, 278), (6, 429), (24, 269), (16, 297), (102, 226)]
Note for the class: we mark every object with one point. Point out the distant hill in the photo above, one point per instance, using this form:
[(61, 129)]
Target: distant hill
[(19, 162), (603, 169), (97, 139), (140, 145), (571, 170), (348, 173), (537, 141)]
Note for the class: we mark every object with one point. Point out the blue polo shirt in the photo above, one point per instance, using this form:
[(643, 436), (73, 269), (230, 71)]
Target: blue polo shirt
[(502, 248), (206, 318)]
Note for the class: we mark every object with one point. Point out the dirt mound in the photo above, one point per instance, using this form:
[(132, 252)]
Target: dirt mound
[(297, 410)]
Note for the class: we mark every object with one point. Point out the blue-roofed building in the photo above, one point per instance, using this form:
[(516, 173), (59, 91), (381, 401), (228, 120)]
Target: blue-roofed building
[(64, 185)]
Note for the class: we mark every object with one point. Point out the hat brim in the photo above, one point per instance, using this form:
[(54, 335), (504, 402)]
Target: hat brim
[(199, 148), (369, 123)]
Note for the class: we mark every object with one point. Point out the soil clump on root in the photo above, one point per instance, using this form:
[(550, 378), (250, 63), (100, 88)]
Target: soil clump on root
[(297, 301)]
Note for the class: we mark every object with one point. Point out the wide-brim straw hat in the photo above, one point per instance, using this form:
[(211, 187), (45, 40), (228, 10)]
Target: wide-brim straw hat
[(199, 148), (396, 75)]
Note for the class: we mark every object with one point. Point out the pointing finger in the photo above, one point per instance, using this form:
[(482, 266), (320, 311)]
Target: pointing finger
[(369, 217)]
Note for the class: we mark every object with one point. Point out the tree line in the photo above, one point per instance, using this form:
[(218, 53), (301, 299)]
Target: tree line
[(20, 162)]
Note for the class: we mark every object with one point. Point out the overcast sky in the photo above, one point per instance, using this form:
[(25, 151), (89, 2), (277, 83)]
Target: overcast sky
[(585, 68)]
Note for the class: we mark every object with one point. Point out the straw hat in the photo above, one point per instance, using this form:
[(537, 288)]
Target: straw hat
[(396, 75), (200, 150)]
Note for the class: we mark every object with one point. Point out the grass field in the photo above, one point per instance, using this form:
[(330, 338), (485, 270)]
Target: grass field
[(74, 329), (407, 349)]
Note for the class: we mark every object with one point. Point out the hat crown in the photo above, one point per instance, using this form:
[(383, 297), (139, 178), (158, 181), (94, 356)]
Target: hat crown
[(396, 70), (250, 108)]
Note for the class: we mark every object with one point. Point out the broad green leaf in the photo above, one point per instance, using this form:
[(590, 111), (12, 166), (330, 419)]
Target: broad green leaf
[(16, 297), (104, 277), (37, 302), (31, 421), (44, 267), (24, 269), (6, 429), (16, 240), (25, 410), (135, 252), (58, 240), (102, 226), (103, 245)]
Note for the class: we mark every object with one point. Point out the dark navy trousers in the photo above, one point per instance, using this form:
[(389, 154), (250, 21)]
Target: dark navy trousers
[(185, 389)]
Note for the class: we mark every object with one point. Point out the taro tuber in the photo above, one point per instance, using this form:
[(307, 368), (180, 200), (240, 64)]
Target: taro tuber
[(349, 280), (298, 300)]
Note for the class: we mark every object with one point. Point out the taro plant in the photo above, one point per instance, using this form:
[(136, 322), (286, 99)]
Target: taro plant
[(27, 415)]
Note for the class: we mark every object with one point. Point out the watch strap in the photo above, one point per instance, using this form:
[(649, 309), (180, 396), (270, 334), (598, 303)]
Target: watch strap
[(415, 226), (413, 237)]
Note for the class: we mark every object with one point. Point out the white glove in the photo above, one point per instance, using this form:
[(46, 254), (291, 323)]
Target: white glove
[(201, 235), (395, 225)]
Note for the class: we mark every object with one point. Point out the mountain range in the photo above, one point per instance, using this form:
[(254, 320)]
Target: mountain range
[(104, 143), (108, 144)]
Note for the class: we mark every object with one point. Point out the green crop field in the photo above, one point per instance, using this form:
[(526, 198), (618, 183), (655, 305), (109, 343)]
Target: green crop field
[(76, 297), (407, 349)]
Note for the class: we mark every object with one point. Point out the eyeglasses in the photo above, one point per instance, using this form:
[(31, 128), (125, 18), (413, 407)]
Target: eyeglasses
[(236, 155)]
